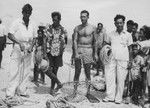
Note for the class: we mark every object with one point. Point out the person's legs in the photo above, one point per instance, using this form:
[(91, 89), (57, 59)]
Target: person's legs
[(24, 76), (135, 93), (98, 63), (110, 77), (13, 78), (54, 71), (121, 76), (76, 79), (42, 77), (35, 73), (87, 73), (55, 80), (129, 85), (144, 79), (52, 76), (89, 96), (148, 80), (1, 51), (77, 73)]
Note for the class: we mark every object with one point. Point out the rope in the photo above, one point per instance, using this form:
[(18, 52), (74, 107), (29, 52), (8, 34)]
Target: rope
[(68, 87), (16, 101), (106, 54), (59, 103)]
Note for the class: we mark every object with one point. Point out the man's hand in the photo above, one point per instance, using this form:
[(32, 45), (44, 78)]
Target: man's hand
[(76, 56), (129, 65), (30, 50), (64, 47), (96, 57), (22, 47)]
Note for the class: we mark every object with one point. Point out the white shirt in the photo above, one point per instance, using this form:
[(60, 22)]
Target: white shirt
[(119, 44), (21, 32), (145, 43), (2, 30)]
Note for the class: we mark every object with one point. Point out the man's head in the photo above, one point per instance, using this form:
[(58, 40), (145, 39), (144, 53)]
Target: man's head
[(27, 11), (129, 25), (84, 16), (135, 28), (56, 18), (119, 22), (99, 26)]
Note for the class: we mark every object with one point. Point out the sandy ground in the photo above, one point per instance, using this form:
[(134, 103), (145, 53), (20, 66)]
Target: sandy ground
[(41, 94)]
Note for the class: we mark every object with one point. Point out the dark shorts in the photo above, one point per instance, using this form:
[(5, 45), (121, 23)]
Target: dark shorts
[(55, 61), (99, 62), (2, 42)]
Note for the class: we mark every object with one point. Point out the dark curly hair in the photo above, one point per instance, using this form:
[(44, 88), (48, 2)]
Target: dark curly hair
[(135, 24), (56, 14), (130, 22), (27, 8), (118, 16), (146, 30), (85, 11)]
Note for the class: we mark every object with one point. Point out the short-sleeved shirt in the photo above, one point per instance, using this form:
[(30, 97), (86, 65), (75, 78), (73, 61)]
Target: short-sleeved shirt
[(2, 30), (21, 32), (100, 39), (145, 43), (119, 44), (56, 40)]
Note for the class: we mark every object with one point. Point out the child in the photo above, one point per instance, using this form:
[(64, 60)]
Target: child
[(38, 57), (136, 75)]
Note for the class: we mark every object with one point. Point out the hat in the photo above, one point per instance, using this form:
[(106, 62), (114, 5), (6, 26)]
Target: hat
[(145, 50), (44, 65)]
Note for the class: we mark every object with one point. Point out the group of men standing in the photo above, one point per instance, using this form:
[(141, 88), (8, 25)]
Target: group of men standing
[(87, 43)]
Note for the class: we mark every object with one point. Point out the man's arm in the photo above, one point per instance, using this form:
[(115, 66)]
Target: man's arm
[(66, 36), (95, 45), (14, 40), (107, 40), (145, 43), (32, 45), (130, 42), (104, 42), (75, 42), (45, 47)]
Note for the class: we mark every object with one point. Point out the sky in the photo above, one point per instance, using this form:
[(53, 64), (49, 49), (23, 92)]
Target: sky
[(102, 11)]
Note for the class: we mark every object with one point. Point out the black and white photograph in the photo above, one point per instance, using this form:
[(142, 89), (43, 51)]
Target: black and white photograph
[(74, 54)]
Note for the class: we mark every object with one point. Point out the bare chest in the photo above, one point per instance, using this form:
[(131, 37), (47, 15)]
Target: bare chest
[(85, 31)]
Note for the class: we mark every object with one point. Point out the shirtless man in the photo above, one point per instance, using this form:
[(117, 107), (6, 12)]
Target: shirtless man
[(84, 43)]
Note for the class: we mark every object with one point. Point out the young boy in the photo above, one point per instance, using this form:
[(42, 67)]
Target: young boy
[(39, 56), (136, 74)]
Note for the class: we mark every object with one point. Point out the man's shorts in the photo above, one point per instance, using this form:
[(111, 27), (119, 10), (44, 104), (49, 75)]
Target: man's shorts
[(55, 61), (86, 55)]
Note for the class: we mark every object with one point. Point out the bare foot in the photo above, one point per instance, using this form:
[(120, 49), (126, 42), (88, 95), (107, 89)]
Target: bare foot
[(58, 87), (70, 97), (92, 98)]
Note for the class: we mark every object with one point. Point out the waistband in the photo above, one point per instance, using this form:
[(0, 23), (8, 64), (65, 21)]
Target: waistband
[(84, 46)]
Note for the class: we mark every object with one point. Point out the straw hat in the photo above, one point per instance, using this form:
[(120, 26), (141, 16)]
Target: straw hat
[(44, 65)]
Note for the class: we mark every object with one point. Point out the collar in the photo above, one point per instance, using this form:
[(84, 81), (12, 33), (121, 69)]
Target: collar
[(24, 22), (122, 32), (59, 27)]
